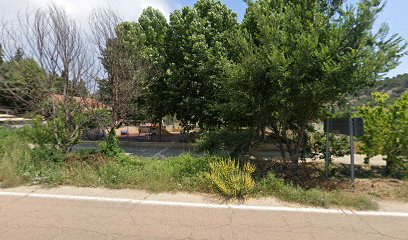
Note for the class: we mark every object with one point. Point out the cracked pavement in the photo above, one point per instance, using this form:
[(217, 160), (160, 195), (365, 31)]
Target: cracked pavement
[(41, 218)]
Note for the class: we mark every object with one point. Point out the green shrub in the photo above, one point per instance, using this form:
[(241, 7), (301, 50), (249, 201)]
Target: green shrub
[(234, 142), (270, 184), (38, 133), (229, 179), (188, 171), (85, 153), (183, 172), (386, 132), (110, 147), (49, 154), (316, 145)]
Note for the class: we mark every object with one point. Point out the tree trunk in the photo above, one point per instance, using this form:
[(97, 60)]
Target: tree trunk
[(294, 157), (160, 130), (279, 138), (295, 154), (263, 133), (113, 124), (388, 167), (54, 126)]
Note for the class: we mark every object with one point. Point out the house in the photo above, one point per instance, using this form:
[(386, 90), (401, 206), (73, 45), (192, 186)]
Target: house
[(85, 101)]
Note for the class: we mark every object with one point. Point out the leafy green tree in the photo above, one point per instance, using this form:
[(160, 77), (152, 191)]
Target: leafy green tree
[(124, 61), (22, 85), (306, 56), (155, 30), (375, 114), (386, 131), (197, 47), (396, 145)]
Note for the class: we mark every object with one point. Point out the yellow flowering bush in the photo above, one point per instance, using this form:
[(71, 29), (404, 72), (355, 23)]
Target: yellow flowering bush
[(229, 179)]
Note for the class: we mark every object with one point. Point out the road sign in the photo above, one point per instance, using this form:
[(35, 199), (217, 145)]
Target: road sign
[(346, 126), (342, 126), (358, 127)]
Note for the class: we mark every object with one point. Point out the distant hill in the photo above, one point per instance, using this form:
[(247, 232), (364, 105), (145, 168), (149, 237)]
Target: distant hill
[(394, 87)]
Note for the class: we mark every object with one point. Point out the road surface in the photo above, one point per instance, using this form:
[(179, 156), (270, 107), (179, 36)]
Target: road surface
[(145, 149), (166, 149), (24, 216)]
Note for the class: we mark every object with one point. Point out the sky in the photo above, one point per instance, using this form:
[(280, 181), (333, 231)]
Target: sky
[(394, 14)]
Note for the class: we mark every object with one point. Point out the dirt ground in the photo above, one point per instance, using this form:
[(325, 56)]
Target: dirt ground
[(370, 179), (389, 189)]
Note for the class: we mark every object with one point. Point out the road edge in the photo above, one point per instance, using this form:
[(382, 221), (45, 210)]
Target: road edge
[(201, 205)]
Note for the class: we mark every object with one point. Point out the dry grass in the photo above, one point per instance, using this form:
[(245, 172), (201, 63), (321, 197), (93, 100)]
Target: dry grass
[(369, 179), (390, 189)]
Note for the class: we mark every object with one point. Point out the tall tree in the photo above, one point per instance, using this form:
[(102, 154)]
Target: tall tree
[(306, 56), (121, 47), (22, 86), (197, 46), (155, 27), (385, 131), (155, 30)]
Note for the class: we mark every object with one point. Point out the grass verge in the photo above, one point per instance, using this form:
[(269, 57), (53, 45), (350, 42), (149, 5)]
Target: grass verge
[(183, 172), (270, 185), (21, 165)]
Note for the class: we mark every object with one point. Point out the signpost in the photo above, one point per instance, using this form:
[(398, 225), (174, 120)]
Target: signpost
[(346, 126)]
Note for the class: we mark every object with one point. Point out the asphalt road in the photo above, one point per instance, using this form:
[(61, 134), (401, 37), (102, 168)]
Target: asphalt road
[(168, 149), (25, 217), (145, 149)]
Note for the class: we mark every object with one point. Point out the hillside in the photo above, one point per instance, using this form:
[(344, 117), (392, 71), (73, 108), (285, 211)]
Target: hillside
[(394, 87)]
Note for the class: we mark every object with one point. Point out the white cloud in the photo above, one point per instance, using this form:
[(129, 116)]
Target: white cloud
[(81, 9)]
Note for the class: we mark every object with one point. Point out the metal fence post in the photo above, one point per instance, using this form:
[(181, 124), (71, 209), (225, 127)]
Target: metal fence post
[(327, 148), (351, 128)]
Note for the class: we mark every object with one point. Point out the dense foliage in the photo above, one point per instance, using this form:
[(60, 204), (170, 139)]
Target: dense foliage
[(155, 29), (22, 85), (198, 43), (228, 141), (386, 131), (303, 57)]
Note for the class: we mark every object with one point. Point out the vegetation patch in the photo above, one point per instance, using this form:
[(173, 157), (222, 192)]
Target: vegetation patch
[(270, 185), (391, 189), (229, 179), (19, 164)]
